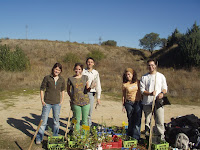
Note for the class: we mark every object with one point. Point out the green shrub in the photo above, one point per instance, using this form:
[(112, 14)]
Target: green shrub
[(71, 58), (13, 60), (190, 46), (96, 54), (110, 43), (174, 38)]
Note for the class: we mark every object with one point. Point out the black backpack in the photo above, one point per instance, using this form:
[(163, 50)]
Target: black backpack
[(189, 125)]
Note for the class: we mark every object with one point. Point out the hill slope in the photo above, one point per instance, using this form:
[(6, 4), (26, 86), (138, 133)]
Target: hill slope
[(183, 88)]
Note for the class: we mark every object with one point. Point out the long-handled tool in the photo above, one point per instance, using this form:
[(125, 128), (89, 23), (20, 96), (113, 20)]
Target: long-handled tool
[(97, 104), (152, 114), (35, 134), (67, 124)]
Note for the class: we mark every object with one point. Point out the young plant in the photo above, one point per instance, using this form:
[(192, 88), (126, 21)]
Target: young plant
[(50, 133)]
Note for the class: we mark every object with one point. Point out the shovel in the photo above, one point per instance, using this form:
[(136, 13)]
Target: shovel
[(35, 134), (151, 124), (67, 125)]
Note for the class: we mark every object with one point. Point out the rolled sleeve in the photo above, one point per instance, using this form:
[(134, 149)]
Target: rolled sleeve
[(98, 87), (164, 84), (142, 86), (44, 84), (86, 78)]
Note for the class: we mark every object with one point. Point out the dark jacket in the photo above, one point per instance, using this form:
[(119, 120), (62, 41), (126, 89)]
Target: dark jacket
[(52, 93)]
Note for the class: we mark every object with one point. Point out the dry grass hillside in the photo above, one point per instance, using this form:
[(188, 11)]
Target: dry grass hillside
[(183, 84)]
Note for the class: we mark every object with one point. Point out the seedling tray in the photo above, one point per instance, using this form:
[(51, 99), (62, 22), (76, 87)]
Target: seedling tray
[(56, 142), (162, 146), (130, 143)]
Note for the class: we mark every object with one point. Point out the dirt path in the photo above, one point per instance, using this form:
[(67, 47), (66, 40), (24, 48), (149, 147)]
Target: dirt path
[(19, 121)]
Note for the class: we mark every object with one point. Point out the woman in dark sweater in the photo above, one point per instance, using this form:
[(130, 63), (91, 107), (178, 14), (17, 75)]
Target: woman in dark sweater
[(54, 86)]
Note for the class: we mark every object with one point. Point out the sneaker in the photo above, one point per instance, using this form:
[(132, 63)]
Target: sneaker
[(38, 142)]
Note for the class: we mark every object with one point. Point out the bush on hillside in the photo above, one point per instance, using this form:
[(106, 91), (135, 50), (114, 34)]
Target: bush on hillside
[(110, 43), (190, 47), (169, 58), (96, 54), (13, 60), (71, 58)]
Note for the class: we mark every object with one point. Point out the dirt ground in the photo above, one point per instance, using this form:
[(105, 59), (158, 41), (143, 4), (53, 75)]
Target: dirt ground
[(21, 115)]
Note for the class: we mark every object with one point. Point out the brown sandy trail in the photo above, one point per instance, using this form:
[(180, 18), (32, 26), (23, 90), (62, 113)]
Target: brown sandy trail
[(19, 122)]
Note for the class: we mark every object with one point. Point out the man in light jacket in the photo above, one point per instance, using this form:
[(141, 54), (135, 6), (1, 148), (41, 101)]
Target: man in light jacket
[(149, 90)]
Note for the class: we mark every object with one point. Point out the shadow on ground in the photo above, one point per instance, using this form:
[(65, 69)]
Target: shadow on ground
[(26, 127)]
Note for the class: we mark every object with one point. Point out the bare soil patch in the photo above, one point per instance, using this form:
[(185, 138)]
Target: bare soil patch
[(19, 121)]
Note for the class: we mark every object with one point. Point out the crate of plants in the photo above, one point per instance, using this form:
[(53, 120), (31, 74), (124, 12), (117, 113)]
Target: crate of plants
[(104, 131), (162, 146), (83, 139), (72, 144), (77, 140), (129, 142), (130, 148), (113, 142), (79, 144), (56, 142), (119, 130)]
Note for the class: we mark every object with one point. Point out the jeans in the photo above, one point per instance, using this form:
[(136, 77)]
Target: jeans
[(134, 115), (45, 114), (91, 97), (159, 120), (78, 110)]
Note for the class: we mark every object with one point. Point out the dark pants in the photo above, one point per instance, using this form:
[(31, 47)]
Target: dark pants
[(134, 114)]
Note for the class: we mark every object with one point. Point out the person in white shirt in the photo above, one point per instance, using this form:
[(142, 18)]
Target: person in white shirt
[(95, 84), (149, 90)]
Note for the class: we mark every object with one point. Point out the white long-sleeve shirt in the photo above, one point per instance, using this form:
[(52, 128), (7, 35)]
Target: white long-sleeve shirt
[(93, 75), (147, 84)]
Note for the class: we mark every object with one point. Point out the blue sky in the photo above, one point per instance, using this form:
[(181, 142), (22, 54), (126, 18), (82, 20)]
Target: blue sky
[(125, 21)]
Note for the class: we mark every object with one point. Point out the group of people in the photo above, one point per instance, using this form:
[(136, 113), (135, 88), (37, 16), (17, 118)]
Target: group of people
[(82, 87)]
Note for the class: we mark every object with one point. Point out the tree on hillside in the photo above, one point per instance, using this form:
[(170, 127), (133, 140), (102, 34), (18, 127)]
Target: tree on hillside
[(190, 46), (194, 29), (150, 41), (163, 42), (174, 38)]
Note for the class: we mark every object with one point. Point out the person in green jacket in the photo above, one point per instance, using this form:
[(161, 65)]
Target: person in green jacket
[(54, 87)]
